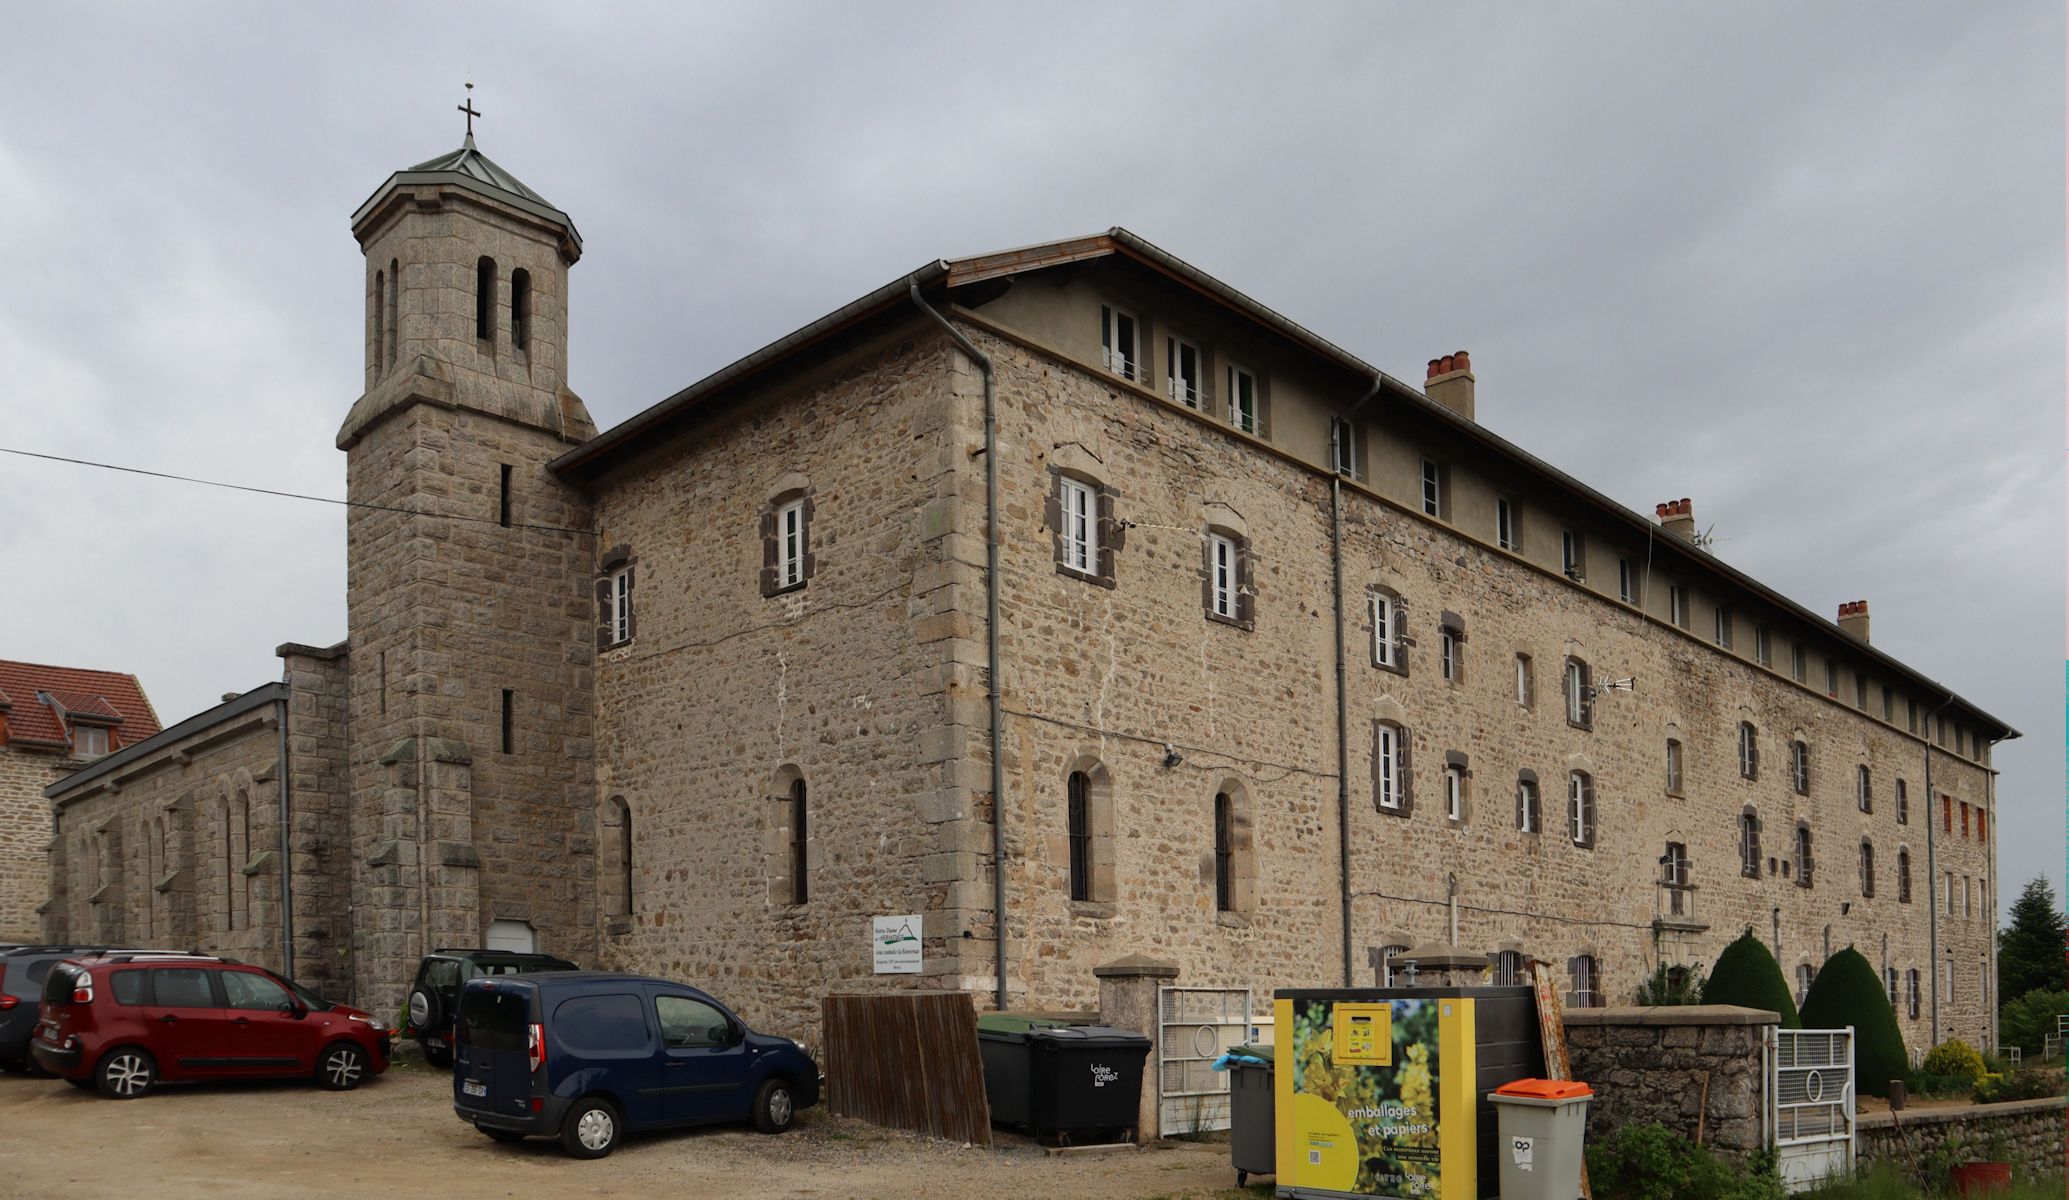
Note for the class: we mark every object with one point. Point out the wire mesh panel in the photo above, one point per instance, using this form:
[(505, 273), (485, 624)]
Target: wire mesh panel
[(1812, 1094), (1195, 1027)]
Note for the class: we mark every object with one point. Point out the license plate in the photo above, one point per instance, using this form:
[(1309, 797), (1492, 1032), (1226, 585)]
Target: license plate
[(471, 1088), (438, 1042)]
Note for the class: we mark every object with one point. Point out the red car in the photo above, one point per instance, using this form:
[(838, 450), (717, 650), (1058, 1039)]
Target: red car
[(125, 1022)]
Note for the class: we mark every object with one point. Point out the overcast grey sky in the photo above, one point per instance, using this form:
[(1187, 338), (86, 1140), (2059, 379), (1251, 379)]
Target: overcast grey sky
[(1802, 263)]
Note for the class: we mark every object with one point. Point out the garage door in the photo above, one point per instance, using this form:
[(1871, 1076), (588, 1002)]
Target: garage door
[(512, 935)]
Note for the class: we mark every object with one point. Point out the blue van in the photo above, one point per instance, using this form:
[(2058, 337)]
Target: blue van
[(588, 1056)]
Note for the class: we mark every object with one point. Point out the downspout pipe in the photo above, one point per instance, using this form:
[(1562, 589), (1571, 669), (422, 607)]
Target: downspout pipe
[(1337, 425), (287, 890), (991, 630), (1932, 868)]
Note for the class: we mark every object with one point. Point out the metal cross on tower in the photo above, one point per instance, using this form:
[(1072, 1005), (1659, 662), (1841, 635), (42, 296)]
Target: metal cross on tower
[(469, 109)]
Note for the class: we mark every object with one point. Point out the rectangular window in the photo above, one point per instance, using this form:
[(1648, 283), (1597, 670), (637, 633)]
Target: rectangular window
[(1832, 678), (1860, 692), (1505, 523), (1762, 652), (1940, 732), (1432, 488), (1182, 371), (1749, 751), (1580, 972), (1677, 605), (1579, 704), (503, 498), (509, 699), (1964, 818), (621, 605), (1749, 845), (1889, 703), (1117, 343), (1722, 633), (790, 544), (1344, 437), (1798, 661), (1524, 684), (1673, 766), (1946, 814), (1864, 790), (1626, 587), (1242, 399), (1799, 767), (1903, 804), (1388, 750), (1455, 792), (1526, 805), (1573, 554), (1078, 519), (1580, 808), (1222, 556), (1448, 654), (89, 741), (1386, 631)]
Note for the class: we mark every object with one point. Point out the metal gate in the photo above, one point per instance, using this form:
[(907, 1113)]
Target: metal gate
[(1811, 1104), (1194, 1027)]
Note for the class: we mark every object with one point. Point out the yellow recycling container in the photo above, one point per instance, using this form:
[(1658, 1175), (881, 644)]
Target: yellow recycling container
[(1382, 1091)]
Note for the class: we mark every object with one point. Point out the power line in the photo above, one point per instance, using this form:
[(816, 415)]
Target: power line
[(241, 487)]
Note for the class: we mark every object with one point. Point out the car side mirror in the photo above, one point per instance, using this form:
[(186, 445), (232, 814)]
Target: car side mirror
[(293, 1009)]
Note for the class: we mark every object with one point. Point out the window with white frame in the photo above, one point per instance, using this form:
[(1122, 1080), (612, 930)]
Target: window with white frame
[(1863, 790), (1677, 605), (1674, 877), (1903, 803), (1509, 970), (1889, 982), (1889, 703), (1221, 558), (1805, 976), (1505, 524), (1527, 811), (1580, 808), (1580, 704), (1749, 844), (1831, 678), (1182, 371), (1454, 792), (89, 741), (1749, 751), (1079, 516), (1799, 661), (1762, 652), (1432, 488), (1344, 439), (1860, 691), (1573, 554), (1386, 631), (1911, 990), (1386, 766), (1722, 633), (1903, 876), (1392, 975), (1673, 766), (1242, 399), (1118, 343), (1804, 862), (1583, 974), (1799, 766), (790, 544), (1525, 685), (621, 605), (1626, 585), (1447, 654), (1867, 868)]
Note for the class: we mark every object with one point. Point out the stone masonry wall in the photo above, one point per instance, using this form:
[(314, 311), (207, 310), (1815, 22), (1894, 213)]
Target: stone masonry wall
[(320, 840), (25, 838), (2031, 1132), (1649, 1065), (860, 683)]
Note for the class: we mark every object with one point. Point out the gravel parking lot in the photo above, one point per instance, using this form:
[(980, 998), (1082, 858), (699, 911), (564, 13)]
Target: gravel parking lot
[(397, 1136)]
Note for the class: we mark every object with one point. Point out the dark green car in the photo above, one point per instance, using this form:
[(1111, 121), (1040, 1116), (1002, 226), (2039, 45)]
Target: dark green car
[(435, 996)]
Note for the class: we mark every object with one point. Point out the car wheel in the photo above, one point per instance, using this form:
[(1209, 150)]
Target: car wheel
[(125, 1073), (437, 1056), (774, 1106), (590, 1130), (341, 1067), (505, 1136)]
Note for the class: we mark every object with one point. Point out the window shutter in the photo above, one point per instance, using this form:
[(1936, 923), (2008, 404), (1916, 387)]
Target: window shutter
[(1407, 771), (1052, 515), (804, 535), (1587, 811), (1207, 576), (1572, 977), (769, 551), (603, 612), (1110, 534), (1246, 585), (631, 605)]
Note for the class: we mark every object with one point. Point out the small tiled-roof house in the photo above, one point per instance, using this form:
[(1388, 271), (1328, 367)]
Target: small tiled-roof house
[(53, 720)]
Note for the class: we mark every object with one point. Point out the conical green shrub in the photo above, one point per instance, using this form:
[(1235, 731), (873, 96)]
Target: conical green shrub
[(1847, 992), (1747, 975)]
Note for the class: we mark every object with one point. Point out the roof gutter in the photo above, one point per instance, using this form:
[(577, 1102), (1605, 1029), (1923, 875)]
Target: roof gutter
[(991, 632)]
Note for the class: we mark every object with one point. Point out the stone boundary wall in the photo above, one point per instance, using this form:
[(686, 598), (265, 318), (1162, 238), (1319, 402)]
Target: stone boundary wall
[(1648, 1065), (2032, 1129)]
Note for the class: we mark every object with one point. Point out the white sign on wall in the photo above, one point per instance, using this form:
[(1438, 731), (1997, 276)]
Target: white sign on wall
[(896, 942)]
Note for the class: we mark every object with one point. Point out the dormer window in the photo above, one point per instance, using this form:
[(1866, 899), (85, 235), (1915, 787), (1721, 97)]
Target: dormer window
[(1117, 343), (89, 741), (1182, 366)]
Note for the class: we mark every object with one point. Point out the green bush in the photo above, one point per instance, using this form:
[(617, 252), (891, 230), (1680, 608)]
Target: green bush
[(2027, 1020), (1747, 975), (1918, 1083), (1847, 992), (2030, 1083), (1664, 988), (1647, 1162), (1953, 1057)]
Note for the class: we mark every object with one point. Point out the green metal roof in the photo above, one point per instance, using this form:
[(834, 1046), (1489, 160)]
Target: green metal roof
[(471, 169)]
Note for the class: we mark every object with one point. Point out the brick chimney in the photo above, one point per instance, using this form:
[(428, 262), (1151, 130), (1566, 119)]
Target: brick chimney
[(1450, 383), (1678, 518), (1853, 619)]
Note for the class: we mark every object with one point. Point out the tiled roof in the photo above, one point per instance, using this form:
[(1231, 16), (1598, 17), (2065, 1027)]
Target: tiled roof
[(107, 695)]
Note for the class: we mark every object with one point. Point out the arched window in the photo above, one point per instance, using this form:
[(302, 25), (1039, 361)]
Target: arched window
[(1749, 751), (521, 309), (1803, 859), (1079, 789), (229, 912), (1580, 808), (1864, 790), (1799, 767), (485, 299), (1749, 844), (1805, 976), (394, 310), (380, 330), (1224, 853), (1867, 867), (1903, 875), (800, 835), (1509, 969), (244, 854)]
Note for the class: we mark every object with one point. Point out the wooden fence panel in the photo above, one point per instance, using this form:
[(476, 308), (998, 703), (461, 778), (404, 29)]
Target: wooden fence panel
[(908, 1061)]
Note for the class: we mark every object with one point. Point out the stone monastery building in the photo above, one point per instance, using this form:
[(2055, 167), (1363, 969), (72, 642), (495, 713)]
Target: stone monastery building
[(1297, 665)]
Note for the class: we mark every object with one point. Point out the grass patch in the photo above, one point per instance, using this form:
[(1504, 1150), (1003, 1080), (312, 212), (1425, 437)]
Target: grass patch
[(1885, 1182)]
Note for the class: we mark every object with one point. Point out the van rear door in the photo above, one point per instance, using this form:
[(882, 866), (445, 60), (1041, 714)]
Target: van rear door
[(492, 1066)]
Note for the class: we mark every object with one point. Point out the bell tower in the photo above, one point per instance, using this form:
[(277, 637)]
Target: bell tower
[(470, 805)]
